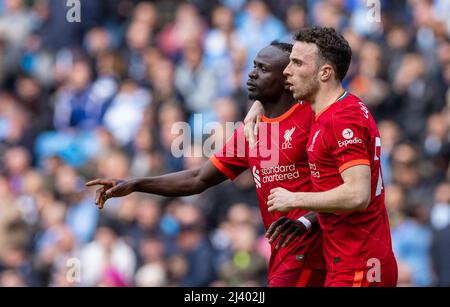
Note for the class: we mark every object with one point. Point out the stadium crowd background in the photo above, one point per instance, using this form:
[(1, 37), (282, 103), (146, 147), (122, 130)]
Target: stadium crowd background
[(98, 99)]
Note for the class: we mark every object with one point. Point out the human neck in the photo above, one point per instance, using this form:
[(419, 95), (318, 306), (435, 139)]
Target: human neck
[(326, 97), (277, 107)]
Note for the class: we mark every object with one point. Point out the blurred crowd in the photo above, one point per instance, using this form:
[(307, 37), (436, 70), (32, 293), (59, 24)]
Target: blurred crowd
[(99, 98)]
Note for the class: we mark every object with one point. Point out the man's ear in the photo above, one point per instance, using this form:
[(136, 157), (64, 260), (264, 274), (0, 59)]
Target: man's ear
[(326, 72)]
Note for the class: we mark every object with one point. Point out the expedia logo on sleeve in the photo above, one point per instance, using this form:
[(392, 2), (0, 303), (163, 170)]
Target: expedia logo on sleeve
[(349, 140)]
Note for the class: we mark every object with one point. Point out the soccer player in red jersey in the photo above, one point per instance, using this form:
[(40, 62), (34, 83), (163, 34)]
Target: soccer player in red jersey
[(279, 160), (344, 159)]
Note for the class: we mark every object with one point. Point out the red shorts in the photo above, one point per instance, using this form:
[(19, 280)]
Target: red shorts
[(386, 277), (299, 278)]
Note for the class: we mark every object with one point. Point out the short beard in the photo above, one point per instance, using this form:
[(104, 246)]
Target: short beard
[(310, 90), (253, 97)]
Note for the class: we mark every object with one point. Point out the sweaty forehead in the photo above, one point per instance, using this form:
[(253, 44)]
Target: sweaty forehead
[(272, 55)]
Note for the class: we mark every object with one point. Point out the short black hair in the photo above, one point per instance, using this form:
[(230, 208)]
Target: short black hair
[(286, 47), (333, 47)]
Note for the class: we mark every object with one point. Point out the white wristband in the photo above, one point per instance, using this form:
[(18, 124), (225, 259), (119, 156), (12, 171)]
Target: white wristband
[(305, 222)]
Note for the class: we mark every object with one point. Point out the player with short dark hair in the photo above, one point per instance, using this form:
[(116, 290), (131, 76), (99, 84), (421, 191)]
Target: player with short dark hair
[(332, 48), (344, 159)]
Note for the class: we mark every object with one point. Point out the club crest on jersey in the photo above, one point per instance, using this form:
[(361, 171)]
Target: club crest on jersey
[(288, 138)]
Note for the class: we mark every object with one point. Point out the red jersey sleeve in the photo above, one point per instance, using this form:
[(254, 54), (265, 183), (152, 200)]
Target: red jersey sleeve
[(347, 140), (232, 159)]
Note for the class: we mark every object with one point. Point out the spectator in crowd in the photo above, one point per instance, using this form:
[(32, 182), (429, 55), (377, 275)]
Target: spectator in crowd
[(107, 260)]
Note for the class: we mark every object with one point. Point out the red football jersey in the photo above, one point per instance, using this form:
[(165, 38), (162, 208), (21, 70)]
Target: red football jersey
[(278, 160), (344, 135)]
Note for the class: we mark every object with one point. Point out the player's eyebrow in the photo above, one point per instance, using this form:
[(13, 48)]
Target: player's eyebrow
[(261, 63), (296, 60)]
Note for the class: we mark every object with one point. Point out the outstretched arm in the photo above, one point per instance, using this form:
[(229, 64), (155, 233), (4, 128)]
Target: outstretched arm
[(182, 183), (352, 195)]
